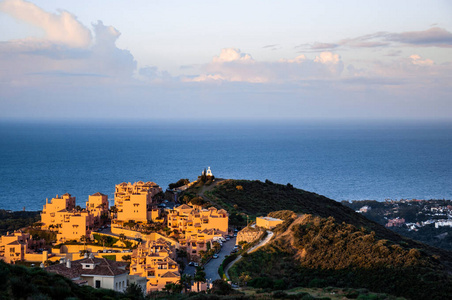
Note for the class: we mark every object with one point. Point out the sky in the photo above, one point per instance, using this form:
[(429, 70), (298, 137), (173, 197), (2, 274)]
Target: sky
[(225, 60)]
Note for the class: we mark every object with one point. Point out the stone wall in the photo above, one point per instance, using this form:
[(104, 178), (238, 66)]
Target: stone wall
[(249, 234)]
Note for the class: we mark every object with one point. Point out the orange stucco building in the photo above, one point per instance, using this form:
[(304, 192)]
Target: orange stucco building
[(60, 215), (187, 219), (193, 243), (49, 216), (268, 222), (16, 245), (155, 260), (97, 206), (134, 201)]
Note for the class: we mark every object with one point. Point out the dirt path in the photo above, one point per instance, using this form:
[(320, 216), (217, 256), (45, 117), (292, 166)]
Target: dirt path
[(208, 188)]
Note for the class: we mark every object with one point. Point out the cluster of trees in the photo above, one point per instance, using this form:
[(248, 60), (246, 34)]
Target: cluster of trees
[(179, 183), (14, 220), (18, 282)]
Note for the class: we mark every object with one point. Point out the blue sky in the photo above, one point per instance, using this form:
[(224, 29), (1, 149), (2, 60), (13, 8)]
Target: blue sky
[(225, 60)]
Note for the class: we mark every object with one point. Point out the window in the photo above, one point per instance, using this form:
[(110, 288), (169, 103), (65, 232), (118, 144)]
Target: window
[(97, 284)]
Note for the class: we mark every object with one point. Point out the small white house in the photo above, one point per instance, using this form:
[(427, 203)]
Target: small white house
[(96, 272)]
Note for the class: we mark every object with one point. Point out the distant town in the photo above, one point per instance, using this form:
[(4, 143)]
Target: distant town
[(428, 221)]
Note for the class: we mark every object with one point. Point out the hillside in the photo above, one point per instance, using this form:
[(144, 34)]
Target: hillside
[(313, 251), (330, 244)]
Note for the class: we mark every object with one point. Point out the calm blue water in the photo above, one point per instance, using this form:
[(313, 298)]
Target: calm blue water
[(343, 161)]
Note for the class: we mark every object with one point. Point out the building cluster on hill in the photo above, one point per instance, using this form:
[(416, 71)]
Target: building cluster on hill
[(190, 229), (71, 222)]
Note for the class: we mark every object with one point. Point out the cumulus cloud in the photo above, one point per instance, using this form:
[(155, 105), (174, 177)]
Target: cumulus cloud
[(67, 49), (232, 54), (62, 28), (233, 65)]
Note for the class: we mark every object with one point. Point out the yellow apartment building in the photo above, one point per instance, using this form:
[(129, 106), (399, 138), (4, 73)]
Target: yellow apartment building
[(155, 260), (74, 225), (49, 216), (193, 243), (14, 246), (97, 206), (187, 219), (134, 201), (60, 215), (268, 222)]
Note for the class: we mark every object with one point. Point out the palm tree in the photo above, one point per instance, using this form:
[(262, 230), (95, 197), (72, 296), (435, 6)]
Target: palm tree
[(113, 211), (200, 276), (185, 281), (122, 237), (84, 239)]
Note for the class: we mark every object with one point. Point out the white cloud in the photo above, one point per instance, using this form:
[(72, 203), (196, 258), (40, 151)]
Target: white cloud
[(232, 65), (62, 28), (417, 60), (232, 54), (68, 50)]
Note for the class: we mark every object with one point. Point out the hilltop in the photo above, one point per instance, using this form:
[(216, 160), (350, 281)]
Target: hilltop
[(257, 198), (329, 244)]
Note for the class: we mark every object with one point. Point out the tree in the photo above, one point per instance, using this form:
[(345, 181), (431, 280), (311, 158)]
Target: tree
[(244, 278), (200, 276), (172, 288), (179, 183), (216, 246), (122, 237), (185, 281), (220, 287), (84, 239), (113, 211), (134, 292)]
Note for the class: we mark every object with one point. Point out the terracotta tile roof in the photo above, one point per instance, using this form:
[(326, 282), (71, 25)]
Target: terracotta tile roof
[(103, 267), (184, 206), (170, 274), (98, 194)]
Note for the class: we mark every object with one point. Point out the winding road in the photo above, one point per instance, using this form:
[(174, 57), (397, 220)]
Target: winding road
[(262, 243)]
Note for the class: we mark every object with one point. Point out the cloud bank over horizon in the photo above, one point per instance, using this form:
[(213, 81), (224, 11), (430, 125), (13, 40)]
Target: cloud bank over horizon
[(78, 72)]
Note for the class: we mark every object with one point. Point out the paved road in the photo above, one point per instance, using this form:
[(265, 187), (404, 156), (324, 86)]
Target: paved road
[(211, 268), (262, 243)]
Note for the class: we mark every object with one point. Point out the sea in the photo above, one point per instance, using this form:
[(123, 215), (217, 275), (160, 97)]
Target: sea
[(343, 160)]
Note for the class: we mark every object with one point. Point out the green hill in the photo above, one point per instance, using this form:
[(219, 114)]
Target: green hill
[(329, 244)]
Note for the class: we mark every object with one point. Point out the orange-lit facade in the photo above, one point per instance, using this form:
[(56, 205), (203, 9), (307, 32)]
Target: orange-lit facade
[(189, 220), (155, 260), (13, 247), (50, 217), (268, 222), (74, 225), (60, 215), (97, 206), (134, 201), (193, 243)]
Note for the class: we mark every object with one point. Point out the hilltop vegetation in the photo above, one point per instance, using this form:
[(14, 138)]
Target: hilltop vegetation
[(323, 243), (319, 252)]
